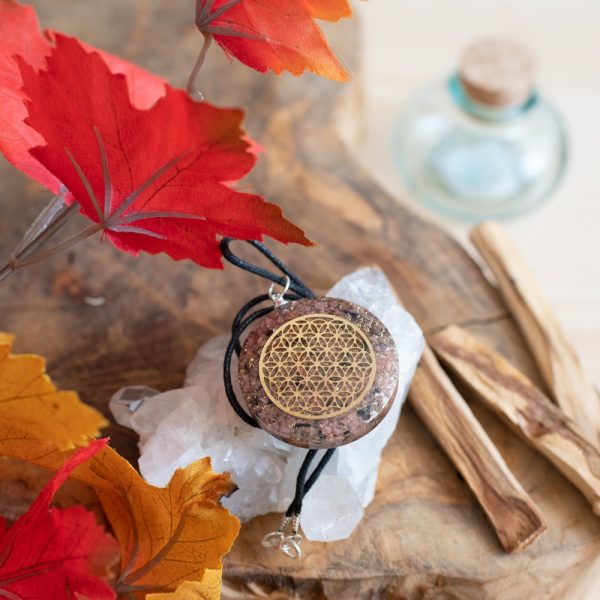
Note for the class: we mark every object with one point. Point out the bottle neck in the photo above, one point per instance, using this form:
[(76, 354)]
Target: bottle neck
[(483, 111)]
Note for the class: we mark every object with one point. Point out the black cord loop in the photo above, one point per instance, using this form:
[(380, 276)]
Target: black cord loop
[(296, 285), (235, 340), (241, 322)]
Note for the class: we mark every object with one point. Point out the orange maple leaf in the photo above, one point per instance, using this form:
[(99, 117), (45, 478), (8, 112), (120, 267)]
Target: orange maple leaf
[(168, 536), (276, 35), (328, 10), (28, 397)]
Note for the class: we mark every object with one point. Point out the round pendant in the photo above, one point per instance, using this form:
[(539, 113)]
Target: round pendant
[(319, 373)]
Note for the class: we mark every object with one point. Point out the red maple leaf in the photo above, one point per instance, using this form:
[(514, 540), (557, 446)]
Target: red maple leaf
[(20, 35), (53, 554), (151, 180), (275, 34)]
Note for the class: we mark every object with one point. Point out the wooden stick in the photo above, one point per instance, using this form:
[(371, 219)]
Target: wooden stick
[(513, 397), (513, 514), (552, 351)]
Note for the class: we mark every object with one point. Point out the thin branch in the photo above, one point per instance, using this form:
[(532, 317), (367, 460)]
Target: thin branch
[(45, 218), (45, 226), (192, 84), (65, 245), (48, 233), (5, 272)]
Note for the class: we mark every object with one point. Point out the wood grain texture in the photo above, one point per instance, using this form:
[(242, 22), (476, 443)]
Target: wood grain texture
[(514, 398), (513, 514), (425, 534), (554, 354)]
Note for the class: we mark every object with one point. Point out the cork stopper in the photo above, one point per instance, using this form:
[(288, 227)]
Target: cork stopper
[(497, 72)]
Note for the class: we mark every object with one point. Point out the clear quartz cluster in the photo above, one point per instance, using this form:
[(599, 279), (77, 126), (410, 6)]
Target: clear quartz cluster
[(180, 426)]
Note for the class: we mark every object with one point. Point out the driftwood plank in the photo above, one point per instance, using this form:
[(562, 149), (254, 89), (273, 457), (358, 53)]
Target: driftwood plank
[(554, 354)]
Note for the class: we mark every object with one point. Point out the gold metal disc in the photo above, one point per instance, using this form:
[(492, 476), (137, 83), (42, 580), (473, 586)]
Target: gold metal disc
[(317, 366)]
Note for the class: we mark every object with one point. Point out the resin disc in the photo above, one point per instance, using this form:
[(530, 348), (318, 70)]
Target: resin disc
[(319, 373)]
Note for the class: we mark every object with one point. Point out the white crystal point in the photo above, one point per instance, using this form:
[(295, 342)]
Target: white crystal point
[(127, 401), (334, 510), (181, 426)]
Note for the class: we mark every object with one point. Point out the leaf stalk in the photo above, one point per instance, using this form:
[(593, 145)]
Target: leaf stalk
[(51, 220), (192, 84)]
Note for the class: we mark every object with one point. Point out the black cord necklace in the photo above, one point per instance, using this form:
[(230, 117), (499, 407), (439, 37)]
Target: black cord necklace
[(315, 372)]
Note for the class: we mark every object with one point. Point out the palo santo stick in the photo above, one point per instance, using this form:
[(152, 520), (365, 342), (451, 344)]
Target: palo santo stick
[(512, 512), (552, 351), (513, 397)]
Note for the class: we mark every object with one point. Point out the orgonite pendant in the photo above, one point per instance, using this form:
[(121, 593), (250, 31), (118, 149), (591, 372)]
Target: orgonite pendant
[(319, 373)]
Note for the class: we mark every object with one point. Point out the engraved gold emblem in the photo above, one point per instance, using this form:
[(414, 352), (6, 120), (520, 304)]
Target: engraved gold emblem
[(317, 366)]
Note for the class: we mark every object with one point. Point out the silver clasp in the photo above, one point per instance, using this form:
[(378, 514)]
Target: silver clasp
[(278, 298), (288, 544), (275, 538)]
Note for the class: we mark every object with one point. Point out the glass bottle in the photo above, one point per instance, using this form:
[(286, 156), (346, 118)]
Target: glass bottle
[(484, 144)]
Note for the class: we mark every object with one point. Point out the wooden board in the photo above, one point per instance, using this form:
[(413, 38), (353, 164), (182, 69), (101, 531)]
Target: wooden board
[(424, 536)]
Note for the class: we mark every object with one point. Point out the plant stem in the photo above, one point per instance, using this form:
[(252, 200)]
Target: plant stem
[(44, 227), (5, 272), (45, 234), (48, 215), (192, 84), (65, 245)]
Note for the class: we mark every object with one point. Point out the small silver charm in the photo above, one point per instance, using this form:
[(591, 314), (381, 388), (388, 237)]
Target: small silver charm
[(275, 538), (288, 544)]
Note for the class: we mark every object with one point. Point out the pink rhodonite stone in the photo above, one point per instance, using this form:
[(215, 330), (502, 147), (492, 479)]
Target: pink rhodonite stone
[(319, 373)]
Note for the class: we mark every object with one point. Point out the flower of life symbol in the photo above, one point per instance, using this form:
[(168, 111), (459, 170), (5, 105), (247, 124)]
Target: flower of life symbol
[(317, 366)]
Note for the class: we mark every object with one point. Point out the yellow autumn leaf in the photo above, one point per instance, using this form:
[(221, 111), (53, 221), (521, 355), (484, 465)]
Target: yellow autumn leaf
[(168, 536), (207, 589), (29, 398)]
